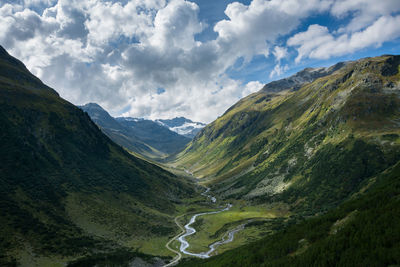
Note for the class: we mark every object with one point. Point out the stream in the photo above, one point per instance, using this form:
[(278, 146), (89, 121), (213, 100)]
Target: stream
[(228, 237)]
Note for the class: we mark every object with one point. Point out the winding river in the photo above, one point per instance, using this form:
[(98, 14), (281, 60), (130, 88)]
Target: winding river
[(190, 231)]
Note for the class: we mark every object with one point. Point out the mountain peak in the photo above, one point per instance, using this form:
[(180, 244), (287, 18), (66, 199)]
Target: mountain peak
[(14, 70), (93, 105), (182, 126), (306, 75), (100, 116)]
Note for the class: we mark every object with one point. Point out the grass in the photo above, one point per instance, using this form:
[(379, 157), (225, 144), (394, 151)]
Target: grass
[(151, 245), (27, 258), (212, 227)]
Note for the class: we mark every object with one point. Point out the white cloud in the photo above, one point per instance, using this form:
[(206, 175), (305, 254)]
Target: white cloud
[(175, 26), (252, 87), (278, 70), (280, 53), (371, 23), (120, 53), (108, 21), (309, 40), (317, 42), (250, 30), (364, 12)]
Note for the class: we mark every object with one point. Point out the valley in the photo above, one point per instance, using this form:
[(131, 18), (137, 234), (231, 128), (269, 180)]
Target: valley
[(304, 162), (223, 226), (199, 133), (220, 222)]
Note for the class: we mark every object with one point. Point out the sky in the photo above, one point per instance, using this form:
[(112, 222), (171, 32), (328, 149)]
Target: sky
[(167, 58)]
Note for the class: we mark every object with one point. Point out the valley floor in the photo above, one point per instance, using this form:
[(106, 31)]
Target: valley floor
[(222, 226)]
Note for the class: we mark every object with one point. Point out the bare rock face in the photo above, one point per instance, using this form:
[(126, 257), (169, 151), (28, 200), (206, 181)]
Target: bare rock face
[(390, 67), (295, 82)]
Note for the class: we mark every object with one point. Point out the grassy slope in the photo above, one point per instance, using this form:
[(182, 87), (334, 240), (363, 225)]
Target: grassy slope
[(311, 148), (303, 151), (211, 228), (363, 231), (66, 190)]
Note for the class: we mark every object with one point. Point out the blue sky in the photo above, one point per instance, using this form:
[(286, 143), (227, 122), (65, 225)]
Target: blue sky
[(168, 58), (258, 69), (211, 12)]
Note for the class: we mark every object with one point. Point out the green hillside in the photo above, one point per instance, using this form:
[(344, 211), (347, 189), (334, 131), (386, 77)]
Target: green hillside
[(66, 190), (361, 232), (310, 143), (318, 151)]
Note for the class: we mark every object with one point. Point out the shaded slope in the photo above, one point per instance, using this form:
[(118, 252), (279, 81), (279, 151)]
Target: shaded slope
[(157, 136), (310, 147), (145, 137), (65, 188), (118, 132)]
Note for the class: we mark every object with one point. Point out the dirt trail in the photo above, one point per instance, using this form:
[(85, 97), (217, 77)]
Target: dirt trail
[(178, 254)]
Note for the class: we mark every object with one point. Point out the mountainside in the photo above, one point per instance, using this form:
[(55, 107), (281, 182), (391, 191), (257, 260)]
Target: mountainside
[(157, 136), (311, 140), (182, 126), (145, 137), (302, 77), (66, 190), (363, 231)]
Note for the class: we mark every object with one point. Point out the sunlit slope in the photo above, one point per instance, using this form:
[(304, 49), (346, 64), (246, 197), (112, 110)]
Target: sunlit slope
[(311, 145), (66, 190), (364, 231)]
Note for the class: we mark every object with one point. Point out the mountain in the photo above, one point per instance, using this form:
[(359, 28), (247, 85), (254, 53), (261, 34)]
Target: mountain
[(159, 137), (145, 137), (309, 143), (182, 126), (302, 77), (67, 192)]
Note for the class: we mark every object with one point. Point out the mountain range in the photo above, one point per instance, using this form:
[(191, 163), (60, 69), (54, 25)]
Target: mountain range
[(182, 126), (146, 137)]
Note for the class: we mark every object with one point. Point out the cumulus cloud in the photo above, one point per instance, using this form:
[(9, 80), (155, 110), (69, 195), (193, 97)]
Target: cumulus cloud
[(364, 12), (371, 23), (251, 29), (120, 53), (318, 42), (175, 26)]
